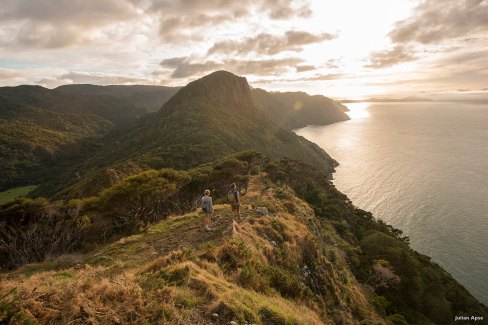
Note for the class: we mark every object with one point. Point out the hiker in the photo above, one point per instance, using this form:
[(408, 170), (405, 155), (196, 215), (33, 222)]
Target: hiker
[(207, 208), (235, 200)]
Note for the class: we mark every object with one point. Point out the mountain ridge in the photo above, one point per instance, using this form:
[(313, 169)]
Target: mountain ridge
[(301, 253), (110, 112), (206, 120)]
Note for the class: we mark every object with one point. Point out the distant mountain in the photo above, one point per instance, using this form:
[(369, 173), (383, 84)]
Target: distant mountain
[(209, 118), (294, 110), (392, 100), (147, 98), (46, 132), (38, 125)]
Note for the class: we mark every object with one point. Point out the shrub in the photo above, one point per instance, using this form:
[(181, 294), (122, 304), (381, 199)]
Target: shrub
[(286, 283), (271, 317), (178, 276), (397, 319), (380, 303), (7, 309), (255, 170), (249, 277), (235, 253)]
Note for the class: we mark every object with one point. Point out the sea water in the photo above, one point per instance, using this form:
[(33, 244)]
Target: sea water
[(423, 168)]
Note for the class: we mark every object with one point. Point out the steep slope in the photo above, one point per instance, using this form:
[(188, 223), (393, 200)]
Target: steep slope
[(209, 118), (32, 136), (255, 270), (294, 110), (149, 98), (38, 125), (300, 254)]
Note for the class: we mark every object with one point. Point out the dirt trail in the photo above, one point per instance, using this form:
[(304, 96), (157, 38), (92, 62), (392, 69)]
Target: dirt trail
[(192, 234), (180, 232)]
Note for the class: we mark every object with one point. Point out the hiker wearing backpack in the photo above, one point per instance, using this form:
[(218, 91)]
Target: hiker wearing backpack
[(207, 208), (234, 199)]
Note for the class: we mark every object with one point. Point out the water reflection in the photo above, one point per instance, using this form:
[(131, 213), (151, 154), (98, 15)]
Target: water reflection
[(358, 110)]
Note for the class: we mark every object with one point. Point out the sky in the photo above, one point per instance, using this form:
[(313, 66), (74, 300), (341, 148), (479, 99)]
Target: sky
[(339, 48)]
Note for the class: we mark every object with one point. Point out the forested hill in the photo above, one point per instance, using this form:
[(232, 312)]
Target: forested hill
[(206, 120), (46, 132), (298, 109), (147, 98)]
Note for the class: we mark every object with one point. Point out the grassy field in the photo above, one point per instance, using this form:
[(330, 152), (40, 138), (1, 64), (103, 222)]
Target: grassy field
[(14, 193)]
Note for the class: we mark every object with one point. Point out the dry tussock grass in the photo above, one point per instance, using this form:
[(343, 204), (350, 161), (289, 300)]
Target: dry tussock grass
[(186, 286), (79, 297)]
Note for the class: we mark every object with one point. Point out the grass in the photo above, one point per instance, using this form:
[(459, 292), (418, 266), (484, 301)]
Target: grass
[(177, 273), (15, 193)]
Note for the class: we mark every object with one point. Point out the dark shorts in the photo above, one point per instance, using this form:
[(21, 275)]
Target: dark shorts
[(235, 207)]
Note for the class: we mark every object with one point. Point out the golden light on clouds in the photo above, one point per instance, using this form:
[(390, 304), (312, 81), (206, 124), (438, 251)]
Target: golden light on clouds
[(343, 49)]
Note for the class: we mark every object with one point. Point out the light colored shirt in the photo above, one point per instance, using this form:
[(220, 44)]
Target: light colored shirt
[(207, 201)]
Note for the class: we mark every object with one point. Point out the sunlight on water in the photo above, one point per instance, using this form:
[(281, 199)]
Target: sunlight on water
[(422, 168), (358, 110)]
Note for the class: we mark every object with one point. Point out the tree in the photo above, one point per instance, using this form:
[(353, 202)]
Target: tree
[(382, 275)]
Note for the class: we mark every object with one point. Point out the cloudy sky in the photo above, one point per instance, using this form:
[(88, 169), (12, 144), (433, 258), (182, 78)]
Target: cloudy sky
[(342, 49)]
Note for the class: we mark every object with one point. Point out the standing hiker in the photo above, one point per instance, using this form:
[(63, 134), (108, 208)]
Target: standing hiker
[(207, 208), (235, 200)]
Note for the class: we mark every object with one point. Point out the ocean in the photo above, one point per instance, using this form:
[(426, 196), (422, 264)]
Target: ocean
[(423, 168)]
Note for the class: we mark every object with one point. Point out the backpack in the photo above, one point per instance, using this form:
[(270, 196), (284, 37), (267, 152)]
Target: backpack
[(231, 196), (205, 206)]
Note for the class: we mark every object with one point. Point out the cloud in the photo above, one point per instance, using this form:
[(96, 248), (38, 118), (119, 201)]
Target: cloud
[(303, 68), (385, 59), (317, 77), (274, 9), (58, 23), (181, 28), (184, 67), (332, 63), (11, 77), (431, 25), (99, 79), (285, 10), (184, 19), (9, 74), (269, 44), (434, 21), (323, 77)]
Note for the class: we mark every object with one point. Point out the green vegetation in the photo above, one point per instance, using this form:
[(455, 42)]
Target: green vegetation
[(294, 110), (224, 120), (39, 126), (122, 239), (315, 259), (77, 140), (15, 193), (405, 284)]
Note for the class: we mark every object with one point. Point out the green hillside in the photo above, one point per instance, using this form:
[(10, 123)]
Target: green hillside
[(138, 253), (31, 138), (298, 109), (148, 98), (206, 120), (84, 136), (39, 125)]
